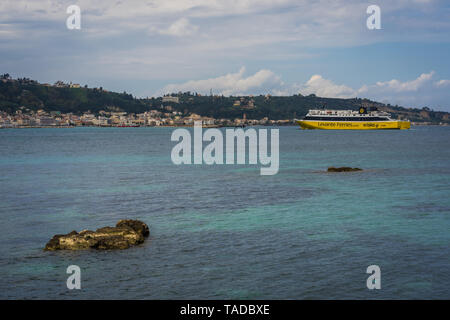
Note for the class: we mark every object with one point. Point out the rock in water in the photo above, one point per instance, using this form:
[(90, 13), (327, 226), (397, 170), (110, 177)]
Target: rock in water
[(343, 169), (137, 226), (125, 234)]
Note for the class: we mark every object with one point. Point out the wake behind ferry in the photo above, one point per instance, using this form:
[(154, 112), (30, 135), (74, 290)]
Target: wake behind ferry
[(351, 120)]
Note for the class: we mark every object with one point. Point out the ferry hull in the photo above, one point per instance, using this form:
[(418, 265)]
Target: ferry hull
[(353, 125)]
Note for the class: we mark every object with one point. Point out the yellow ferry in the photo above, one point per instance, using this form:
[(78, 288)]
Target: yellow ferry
[(351, 120)]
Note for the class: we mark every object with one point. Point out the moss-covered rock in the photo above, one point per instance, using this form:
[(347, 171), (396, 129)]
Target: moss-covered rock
[(125, 234)]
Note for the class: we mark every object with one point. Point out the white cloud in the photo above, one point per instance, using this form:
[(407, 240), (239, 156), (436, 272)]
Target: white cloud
[(442, 83), (181, 27), (411, 93), (262, 81), (327, 88), (413, 85)]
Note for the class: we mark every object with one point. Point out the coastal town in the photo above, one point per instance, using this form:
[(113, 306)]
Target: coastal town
[(24, 118)]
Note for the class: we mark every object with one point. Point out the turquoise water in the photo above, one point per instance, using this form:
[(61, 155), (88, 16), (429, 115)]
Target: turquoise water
[(223, 231)]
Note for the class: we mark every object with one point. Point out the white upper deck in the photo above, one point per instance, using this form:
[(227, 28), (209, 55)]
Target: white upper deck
[(346, 113)]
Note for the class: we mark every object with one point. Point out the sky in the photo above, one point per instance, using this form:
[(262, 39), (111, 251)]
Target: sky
[(236, 47)]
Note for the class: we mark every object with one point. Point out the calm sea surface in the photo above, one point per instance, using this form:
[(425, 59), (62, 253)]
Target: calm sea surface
[(226, 232)]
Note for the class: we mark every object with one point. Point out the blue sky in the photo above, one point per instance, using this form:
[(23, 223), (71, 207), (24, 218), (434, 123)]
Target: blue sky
[(280, 47)]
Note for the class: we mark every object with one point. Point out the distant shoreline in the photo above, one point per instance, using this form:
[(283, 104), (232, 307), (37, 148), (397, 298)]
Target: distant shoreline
[(191, 126), (164, 126)]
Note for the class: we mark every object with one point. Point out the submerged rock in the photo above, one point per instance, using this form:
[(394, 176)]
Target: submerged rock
[(343, 169), (125, 234)]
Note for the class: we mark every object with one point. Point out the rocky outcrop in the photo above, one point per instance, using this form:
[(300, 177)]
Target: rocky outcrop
[(125, 234), (343, 169)]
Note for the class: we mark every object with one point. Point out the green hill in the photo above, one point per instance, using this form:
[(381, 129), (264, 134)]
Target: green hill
[(33, 95)]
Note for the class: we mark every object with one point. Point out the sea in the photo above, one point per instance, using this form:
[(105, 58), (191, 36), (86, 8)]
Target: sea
[(226, 231)]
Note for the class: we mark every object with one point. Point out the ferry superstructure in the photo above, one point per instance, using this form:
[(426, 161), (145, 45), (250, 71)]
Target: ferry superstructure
[(351, 120)]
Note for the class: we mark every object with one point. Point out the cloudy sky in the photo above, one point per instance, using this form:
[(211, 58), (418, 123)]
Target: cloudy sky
[(232, 47)]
